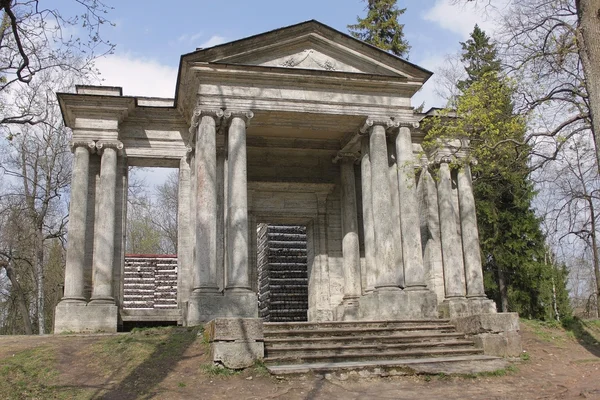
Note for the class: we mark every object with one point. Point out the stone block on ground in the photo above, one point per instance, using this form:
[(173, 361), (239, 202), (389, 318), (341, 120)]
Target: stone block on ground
[(235, 342), (82, 318), (496, 334)]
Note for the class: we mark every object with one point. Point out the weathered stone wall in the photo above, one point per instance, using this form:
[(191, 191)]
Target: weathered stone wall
[(150, 282)]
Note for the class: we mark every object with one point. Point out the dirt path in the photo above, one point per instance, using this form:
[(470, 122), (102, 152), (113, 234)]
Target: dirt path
[(172, 364)]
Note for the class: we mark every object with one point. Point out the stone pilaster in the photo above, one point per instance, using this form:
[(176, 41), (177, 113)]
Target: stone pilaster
[(350, 244), (104, 246), (74, 269), (367, 207), (454, 278), (414, 271)]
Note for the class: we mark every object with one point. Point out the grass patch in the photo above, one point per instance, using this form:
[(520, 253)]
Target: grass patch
[(217, 370), (260, 368), (32, 374)]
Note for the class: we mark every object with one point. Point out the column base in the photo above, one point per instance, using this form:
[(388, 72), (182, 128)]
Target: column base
[(79, 317), (206, 307), (347, 311), (398, 305), (319, 315), (462, 307)]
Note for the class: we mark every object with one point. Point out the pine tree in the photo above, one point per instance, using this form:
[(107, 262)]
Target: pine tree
[(381, 28), (518, 275)]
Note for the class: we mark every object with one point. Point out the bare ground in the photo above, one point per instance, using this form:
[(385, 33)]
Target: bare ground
[(171, 363)]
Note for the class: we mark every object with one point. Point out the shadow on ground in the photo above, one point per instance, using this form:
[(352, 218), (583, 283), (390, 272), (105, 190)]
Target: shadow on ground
[(142, 381), (582, 332)]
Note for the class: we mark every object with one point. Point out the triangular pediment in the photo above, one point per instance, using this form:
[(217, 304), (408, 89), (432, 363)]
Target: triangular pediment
[(310, 46)]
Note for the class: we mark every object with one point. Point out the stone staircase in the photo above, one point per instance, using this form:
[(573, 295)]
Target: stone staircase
[(373, 347), (282, 273)]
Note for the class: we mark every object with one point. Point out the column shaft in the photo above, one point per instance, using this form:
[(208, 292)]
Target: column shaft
[(350, 245), (237, 274), (221, 213), (470, 234), (185, 228), (205, 271), (104, 246), (454, 277), (367, 207), (74, 269), (414, 271), (395, 212), (382, 218)]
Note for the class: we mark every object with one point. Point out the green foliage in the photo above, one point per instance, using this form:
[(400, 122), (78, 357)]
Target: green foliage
[(516, 264), (381, 28), (218, 370)]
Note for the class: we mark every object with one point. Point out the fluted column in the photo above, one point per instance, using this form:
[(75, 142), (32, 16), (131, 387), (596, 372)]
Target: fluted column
[(74, 269), (350, 245), (454, 277), (367, 207), (381, 200), (104, 246), (414, 271), (470, 234), (237, 236), (205, 268)]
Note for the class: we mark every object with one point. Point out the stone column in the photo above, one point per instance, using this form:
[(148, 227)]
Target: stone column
[(381, 200), (185, 227), (470, 234), (454, 277), (237, 273), (104, 246), (395, 210), (221, 215), (74, 269), (414, 271), (369, 239), (350, 245), (205, 269)]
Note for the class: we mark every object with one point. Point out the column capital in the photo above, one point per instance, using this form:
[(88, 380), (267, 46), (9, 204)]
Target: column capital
[(387, 123), (90, 145), (409, 124), (200, 112), (109, 144), (246, 115), (345, 156)]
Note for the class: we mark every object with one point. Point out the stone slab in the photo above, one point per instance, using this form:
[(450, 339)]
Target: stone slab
[(237, 355), (506, 344), (487, 323), (82, 318), (234, 329), (204, 308), (398, 305)]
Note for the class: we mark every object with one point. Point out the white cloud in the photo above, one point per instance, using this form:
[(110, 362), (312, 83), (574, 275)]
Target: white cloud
[(137, 76), (461, 18), (187, 38), (213, 41)]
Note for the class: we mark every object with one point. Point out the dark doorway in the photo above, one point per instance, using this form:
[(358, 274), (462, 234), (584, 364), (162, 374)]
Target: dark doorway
[(282, 272)]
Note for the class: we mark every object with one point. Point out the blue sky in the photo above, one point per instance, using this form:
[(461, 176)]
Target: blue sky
[(151, 35)]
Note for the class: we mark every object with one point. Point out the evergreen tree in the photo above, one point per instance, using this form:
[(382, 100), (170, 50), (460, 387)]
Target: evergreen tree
[(518, 275), (381, 28)]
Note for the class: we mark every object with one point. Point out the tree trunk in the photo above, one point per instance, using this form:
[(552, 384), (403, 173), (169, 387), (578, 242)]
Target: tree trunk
[(502, 289), (595, 252), (39, 281), (21, 302), (588, 37)]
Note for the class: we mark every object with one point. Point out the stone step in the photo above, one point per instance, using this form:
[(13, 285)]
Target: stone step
[(291, 358), (339, 340), (470, 364), (427, 324), (349, 348)]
